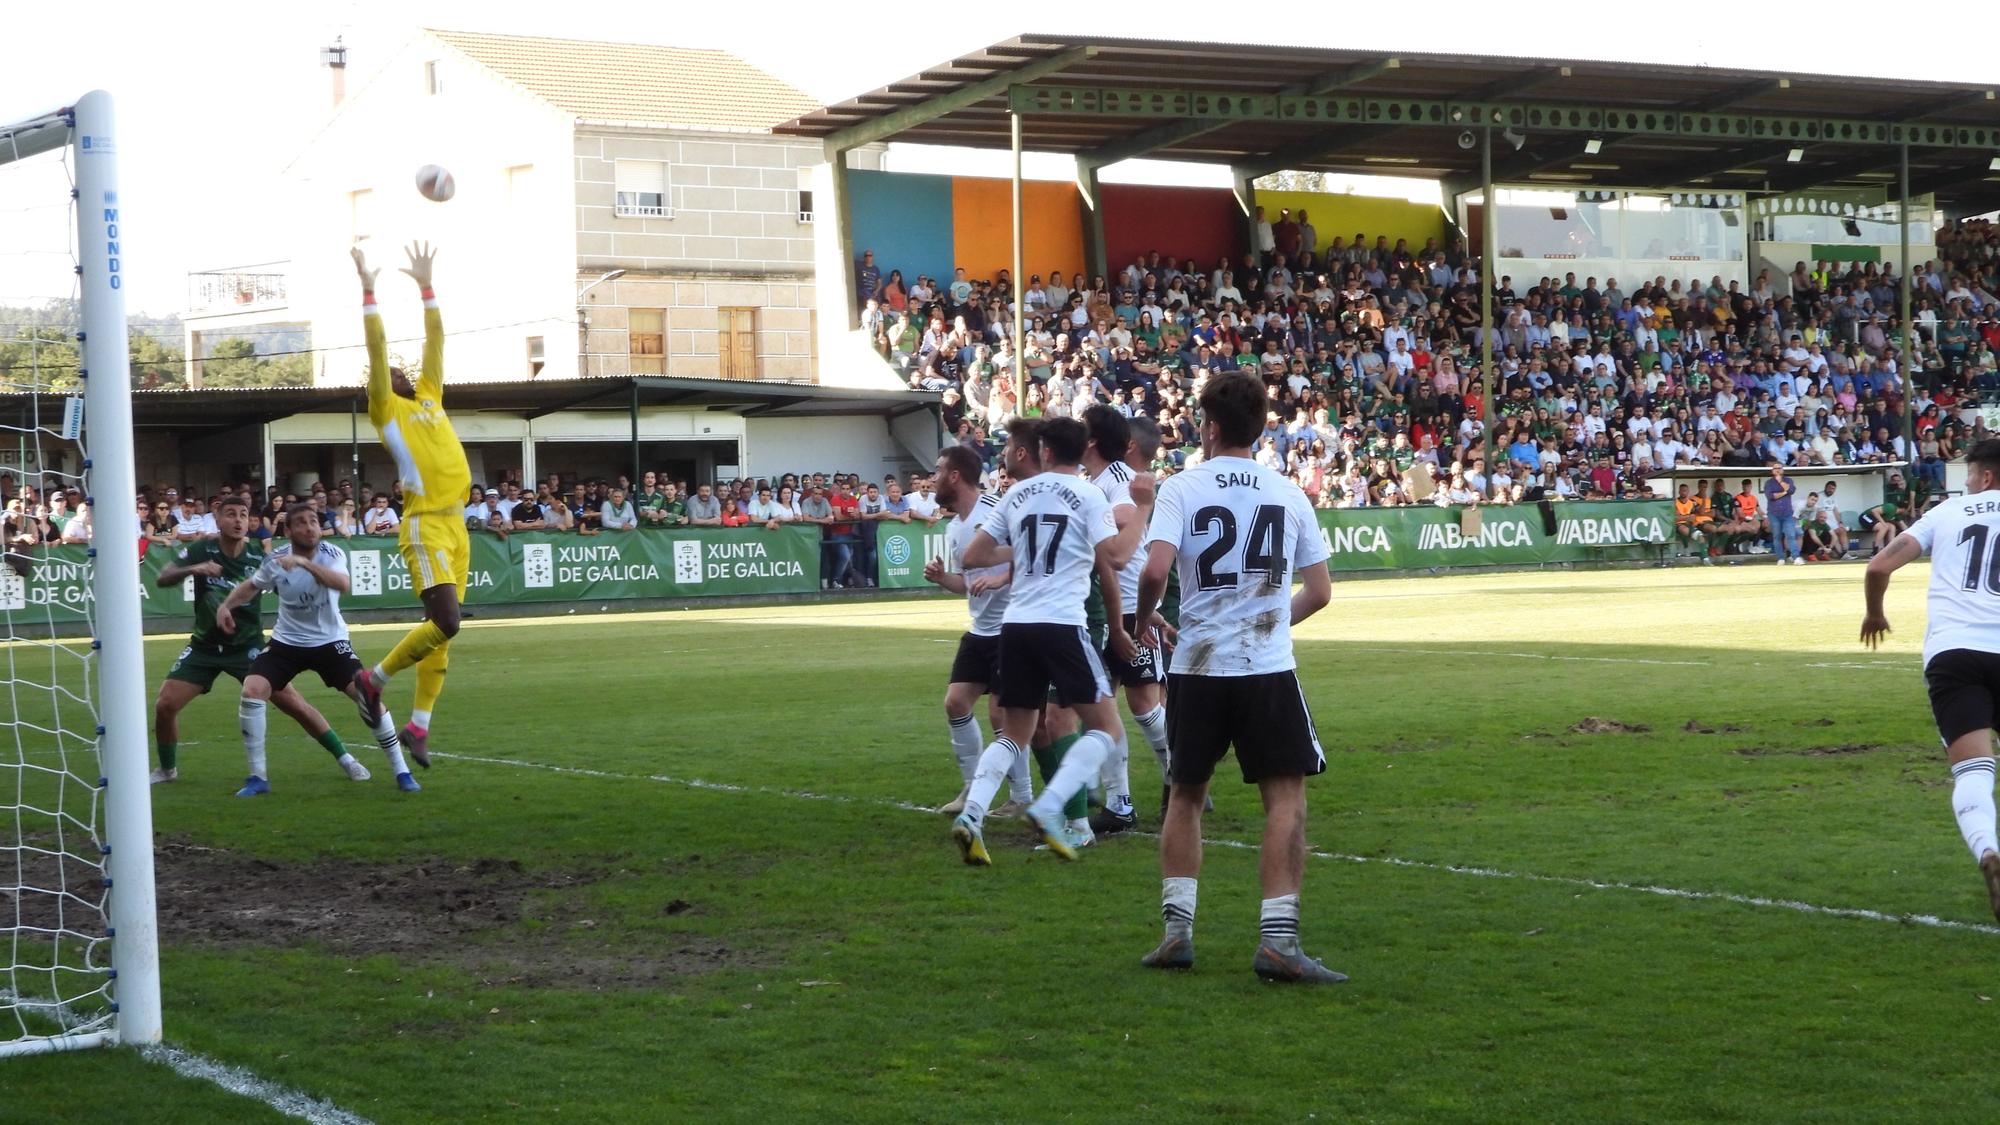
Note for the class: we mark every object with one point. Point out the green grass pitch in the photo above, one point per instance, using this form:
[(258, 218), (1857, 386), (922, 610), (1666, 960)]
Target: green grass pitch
[(563, 927)]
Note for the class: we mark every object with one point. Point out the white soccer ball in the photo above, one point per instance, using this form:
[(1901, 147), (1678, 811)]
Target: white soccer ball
[(435, 183)]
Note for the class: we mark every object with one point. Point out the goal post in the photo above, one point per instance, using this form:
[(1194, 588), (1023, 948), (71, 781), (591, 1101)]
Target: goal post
[(76, 818)]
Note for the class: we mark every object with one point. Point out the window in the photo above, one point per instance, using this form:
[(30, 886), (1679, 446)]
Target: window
[(736, 343), (648, 346), (534, 356), (641, 189), (361, 213), (805, 205), (434, 77)]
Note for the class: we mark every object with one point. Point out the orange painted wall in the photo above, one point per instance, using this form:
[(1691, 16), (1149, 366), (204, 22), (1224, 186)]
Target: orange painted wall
[(983, 230)]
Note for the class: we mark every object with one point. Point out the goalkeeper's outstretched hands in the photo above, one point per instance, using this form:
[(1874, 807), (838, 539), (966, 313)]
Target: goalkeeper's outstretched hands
[(361, 267), (421, 255)]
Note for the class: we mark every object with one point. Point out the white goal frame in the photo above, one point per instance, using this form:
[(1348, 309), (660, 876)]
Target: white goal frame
[(126, 833)]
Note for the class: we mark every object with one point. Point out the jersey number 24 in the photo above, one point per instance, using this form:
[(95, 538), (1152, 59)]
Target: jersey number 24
[(1263, 548)]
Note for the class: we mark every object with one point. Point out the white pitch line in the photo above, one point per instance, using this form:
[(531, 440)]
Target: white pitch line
[(1902, 665), (243, 1083), (233, 1079), (1858, 913)]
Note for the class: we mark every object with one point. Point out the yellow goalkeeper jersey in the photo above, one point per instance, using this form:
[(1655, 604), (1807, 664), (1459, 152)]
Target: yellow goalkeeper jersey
[(417, 432)]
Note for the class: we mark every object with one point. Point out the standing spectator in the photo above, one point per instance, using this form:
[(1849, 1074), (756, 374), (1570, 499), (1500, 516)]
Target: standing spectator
[(527, 514), (617, 513), (346, 522), (844, 532), (867, 277), (704, 510), (733, 514)]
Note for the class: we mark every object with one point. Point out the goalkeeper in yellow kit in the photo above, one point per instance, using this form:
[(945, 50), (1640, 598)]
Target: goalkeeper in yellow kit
[(411, 421)]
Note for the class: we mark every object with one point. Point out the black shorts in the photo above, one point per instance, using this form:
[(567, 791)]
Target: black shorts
[(1148, 667), (1964, 684), (1035, 657), (978, 660), (282, 663), (1264, 717)]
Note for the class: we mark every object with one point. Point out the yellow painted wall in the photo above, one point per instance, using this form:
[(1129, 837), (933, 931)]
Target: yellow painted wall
[(1341, 215), (983, 226)]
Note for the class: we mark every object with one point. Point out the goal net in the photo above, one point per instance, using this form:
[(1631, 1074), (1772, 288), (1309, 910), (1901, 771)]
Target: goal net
[(78, 947)]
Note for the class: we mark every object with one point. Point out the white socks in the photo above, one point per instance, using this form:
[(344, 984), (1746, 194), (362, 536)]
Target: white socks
[(1153, 724), (1279, 922), (250, 716), (1019, 785), (965, 745), (1080, 763), (1972, 803), (420, 719), (1115, 778), (1177, 906), (986, 780), (385, 737)]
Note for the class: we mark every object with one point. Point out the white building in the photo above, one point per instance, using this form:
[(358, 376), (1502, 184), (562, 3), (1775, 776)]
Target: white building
[(620, 210)]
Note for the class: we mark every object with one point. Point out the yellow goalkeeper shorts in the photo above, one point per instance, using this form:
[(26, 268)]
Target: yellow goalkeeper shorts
[(437, 551)]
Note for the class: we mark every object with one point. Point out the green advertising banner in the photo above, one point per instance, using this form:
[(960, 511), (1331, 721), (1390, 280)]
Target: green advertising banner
[(1422, 538), (528, 566), (902, 549)]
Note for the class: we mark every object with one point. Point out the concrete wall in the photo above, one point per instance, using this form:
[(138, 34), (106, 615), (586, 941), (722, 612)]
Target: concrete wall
[(860, 444), (1335, 214), (734, 200), (1199, 224)]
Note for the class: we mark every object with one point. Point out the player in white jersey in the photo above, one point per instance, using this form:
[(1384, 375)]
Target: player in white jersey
[(310, 636), (1961, 642), (976, 666), (1238, 534), (1142, 672), (1054, 531)]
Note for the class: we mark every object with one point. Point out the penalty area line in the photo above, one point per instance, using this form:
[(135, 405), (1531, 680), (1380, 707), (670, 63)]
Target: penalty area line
[(1862, 914)]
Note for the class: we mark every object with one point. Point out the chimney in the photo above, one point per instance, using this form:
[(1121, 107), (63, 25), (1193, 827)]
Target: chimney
[(334, 58)]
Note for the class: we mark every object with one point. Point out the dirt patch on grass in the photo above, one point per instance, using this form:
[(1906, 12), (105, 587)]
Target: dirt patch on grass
[(1837, 750), (1696, 726), (491, 917), (1594, 725)]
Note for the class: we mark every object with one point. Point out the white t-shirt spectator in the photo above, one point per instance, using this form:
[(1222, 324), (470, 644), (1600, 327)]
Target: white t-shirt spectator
[(380, 521), (923, 505), (191, 526)]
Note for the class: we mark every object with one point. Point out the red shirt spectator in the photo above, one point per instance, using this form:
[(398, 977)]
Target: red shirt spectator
[(846, 508)]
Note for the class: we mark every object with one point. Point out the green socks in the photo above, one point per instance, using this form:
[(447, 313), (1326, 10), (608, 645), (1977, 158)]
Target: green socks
[(169, 752), (333, 744), (1047, 760)]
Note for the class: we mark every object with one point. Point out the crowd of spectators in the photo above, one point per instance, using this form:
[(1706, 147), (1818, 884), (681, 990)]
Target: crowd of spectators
[(54, 513), (1371, 352), (843, 505)]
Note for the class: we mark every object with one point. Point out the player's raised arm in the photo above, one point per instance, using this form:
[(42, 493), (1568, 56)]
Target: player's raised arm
[(379, 388), (430, 380)]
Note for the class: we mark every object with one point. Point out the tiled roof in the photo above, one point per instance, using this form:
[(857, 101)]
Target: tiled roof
[(639, 83)]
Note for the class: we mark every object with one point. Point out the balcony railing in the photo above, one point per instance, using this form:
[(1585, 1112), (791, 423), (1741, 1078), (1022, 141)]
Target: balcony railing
[(217, 292)]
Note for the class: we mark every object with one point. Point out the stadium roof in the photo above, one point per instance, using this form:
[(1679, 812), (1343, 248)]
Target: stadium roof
[(1315, 109), (637, 84), (220, 408)]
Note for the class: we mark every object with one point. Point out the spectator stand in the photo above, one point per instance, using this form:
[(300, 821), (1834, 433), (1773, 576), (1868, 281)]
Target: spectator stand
[(1708, 148)]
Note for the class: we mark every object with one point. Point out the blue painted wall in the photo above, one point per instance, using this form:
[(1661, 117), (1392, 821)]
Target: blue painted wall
[(906, 220)]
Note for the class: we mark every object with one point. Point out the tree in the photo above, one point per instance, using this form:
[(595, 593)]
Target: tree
[(234, 362)]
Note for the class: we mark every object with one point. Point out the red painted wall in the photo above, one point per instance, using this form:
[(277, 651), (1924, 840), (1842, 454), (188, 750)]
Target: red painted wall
[(1202, 223)]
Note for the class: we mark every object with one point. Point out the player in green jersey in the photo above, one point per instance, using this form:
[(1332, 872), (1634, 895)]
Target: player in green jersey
[(216, 566)]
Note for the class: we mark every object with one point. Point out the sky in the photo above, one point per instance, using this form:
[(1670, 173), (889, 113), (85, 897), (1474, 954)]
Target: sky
[(210, 108)]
